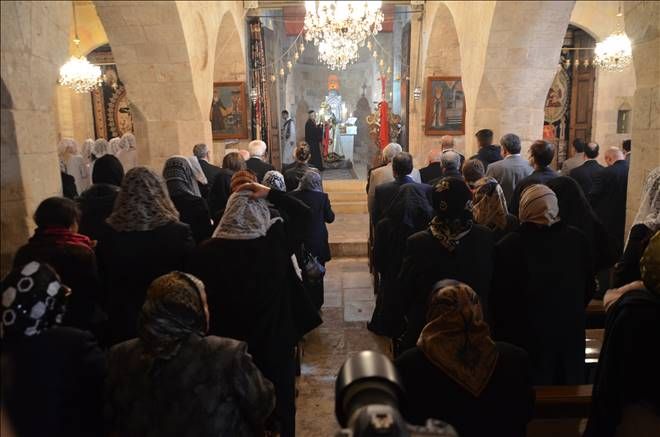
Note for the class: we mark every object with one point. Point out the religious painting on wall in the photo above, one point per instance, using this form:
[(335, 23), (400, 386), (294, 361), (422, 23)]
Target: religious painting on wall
[(445, 106), (228, 111), (112, 114)]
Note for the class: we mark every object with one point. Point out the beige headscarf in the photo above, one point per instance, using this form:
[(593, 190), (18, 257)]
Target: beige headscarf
[(142, 203), (489, 204), (456, 337), (538, 204), (244, 218)]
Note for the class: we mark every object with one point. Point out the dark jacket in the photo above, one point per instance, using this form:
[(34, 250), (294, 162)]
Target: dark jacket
[(503, 408), (608, 198), (431, 171), (209, 388), (294, 173), (584, 175), (130, 261), (209, 170), (538, 176), (447, 173), (219, 192), (258, 167), (488, 154), (626, 269), (540, 306), (96, 205), (385, 193), (628, 364), (68, 186), (313, 137), (194, 212), (54, 384), (316, 238), (426, 262), (76, 265)]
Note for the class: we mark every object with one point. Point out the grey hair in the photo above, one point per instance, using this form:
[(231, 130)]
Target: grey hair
[(511, 142), (200, 150), (257, 148), (450, 160), (391, 150)]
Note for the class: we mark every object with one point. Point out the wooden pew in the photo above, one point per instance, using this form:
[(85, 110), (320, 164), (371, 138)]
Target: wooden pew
[(594, 342), (560, 410), (596, 314)]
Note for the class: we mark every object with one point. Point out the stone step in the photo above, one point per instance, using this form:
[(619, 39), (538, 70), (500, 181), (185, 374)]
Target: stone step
[(344, 185), (359, 207), (349, 249), (347, 196), (348, 235)]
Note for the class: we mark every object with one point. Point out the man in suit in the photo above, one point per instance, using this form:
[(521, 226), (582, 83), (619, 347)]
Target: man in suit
[(585, 173), (256, 164), (201, 151), (488, 152), (313, 138), (402, 167), (542, 153), (608, 196), (450, 162), (385, 174), (434, 169), (512, 169), (576, 160)]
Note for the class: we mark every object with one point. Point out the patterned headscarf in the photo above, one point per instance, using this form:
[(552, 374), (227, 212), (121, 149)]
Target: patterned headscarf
[(142, 203), (489, 205), (179, 177), (33, 300), (456, 337), (649, 264), (310, 181), (274, 180), (174, 309), (101, 147), (115, 145), (538, 204), (128, 141), (67, 147), (244, 218), (452, 202), (87, 147), (649, 207)]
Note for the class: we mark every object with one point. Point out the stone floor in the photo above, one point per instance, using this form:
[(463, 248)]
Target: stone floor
[(349, 302)]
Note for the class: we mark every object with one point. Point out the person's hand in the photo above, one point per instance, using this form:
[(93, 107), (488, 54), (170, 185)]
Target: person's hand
[(258, 191)]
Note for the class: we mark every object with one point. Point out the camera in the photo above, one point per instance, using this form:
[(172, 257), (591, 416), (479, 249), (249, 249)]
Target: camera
[(368, 391)]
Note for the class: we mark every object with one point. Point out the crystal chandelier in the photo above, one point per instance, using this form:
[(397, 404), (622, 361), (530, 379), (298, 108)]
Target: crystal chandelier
[(615, 52), (78, 74), (340, 28)]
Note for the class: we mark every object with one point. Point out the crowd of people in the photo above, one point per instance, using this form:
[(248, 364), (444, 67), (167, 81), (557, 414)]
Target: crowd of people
[(172, 303)]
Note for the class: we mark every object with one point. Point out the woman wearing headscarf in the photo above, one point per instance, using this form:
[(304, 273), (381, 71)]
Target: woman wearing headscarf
[(184, 192), (115, 146), (220, 188), (409, 212), (100, 148), (626, 392), (74, 164), (489, 208), (315, 239), (97, 201), (274, 180), (52, 376), (459, 375), (127, 154), (200, 177), (86, 150), (144, 239), (452, 247), (254, 293), (645, 225), (543, 281), (56, 241), (176, 380)]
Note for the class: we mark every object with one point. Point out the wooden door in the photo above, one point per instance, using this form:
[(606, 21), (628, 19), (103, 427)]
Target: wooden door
[(582, 94)]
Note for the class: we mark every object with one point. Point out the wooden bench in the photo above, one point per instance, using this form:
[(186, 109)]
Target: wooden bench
[(595, 313), (594, 342), (560, 410)]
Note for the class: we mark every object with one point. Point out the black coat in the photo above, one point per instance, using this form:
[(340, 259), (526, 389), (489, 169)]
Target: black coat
[(539, 303), (585, 174), (294, 173), (130, 261), (76, 265), (68, 186), (426, 262), (316, 238), (539, 176), (488, 154), (430, 172), (219, 192), (96, 205), (54, 384), (194, 212), (209, 170), (386, 192), (258, 167), (503, 408), (446, 173), (627, 268), (313, 137), (608, 199)]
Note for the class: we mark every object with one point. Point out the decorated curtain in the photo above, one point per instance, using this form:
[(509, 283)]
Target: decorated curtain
[(261, 106)]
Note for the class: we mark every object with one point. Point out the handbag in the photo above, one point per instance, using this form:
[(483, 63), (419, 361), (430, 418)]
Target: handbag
[(313, 270)]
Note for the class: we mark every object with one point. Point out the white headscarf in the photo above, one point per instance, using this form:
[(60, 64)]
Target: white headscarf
[(115, 145), (87, 147), (649, 207), (128, 141), (197, 170), (244, 218), (101, 147)]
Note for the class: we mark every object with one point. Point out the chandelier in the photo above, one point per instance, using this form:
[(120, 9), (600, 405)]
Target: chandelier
[(340, 28), (77, 73), (615, 52)]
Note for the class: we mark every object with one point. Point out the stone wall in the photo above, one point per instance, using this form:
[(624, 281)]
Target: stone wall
[(33, 46)]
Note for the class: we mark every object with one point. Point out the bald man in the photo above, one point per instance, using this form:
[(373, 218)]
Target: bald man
[(608, 196), (434, 169)]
